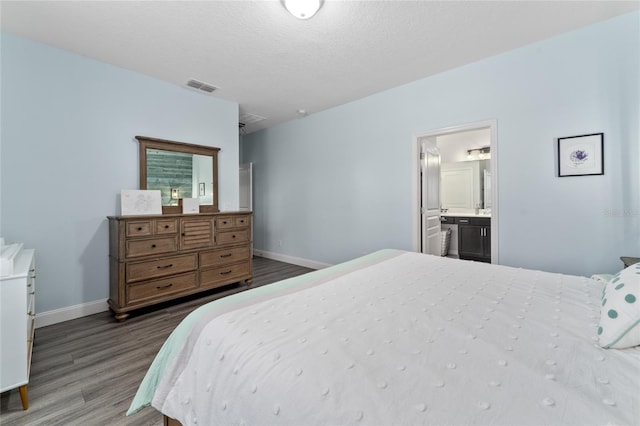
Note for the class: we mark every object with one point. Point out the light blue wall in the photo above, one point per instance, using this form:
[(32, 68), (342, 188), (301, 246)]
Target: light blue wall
[(68, 148), (338, 183)]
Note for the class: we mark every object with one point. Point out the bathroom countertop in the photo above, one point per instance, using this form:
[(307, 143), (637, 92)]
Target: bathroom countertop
[(466, 214)]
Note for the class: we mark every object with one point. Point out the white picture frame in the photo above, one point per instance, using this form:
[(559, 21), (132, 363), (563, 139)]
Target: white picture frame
[(140, 202)]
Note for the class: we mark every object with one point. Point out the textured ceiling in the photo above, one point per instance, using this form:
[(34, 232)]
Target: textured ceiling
[(273, 64)]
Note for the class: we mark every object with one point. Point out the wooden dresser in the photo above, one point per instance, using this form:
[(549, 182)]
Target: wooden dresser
[(154, 259)]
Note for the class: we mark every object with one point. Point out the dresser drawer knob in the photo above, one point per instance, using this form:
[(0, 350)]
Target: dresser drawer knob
[(153, 246), (225, 273), (226, 255), (165, 266), (160, 287), (233, 236), (166, 227), (139, 228)]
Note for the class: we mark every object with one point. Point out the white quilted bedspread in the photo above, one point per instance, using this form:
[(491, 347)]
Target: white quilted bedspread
[(412, 340)]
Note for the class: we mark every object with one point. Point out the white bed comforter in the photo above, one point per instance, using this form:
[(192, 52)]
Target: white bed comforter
[(414, 339)]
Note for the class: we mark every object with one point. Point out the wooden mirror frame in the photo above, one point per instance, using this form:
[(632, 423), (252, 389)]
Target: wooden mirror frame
[(145, 142)]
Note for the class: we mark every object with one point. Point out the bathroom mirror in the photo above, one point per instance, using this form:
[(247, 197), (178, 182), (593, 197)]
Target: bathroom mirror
[(463, 185), (179, 170)]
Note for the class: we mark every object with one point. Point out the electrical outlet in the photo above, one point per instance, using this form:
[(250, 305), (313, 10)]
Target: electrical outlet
[(279, 243)]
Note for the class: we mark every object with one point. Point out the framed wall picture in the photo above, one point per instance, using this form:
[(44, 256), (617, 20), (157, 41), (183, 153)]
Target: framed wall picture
[(581, 155)]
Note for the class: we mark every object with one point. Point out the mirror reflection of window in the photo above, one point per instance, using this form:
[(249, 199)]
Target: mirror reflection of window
[(202, 187)]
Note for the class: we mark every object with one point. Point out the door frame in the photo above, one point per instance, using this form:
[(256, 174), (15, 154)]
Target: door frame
[(415, 177)]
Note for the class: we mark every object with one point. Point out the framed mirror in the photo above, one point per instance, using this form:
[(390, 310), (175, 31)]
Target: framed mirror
[(179, 170)]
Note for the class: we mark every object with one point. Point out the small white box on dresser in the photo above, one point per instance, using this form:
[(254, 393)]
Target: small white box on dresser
[(17, 323)]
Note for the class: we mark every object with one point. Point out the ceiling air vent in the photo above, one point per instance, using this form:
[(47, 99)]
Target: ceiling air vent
[(205, 87), (246, 118)]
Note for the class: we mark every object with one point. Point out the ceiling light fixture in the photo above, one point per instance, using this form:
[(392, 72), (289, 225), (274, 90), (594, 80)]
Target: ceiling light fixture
[(482, 153), (302, 9)]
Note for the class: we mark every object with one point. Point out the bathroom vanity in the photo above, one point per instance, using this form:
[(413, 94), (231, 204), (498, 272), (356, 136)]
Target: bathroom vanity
[(473, 235)]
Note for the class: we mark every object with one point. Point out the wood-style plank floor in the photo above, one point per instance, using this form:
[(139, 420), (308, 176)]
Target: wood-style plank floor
[(86, 371)]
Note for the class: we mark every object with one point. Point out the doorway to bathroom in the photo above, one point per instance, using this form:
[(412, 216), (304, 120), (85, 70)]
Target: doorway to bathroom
[(455, 172)]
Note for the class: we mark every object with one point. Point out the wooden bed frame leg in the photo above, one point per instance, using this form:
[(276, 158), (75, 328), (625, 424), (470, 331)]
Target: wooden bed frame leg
[(24, 397)]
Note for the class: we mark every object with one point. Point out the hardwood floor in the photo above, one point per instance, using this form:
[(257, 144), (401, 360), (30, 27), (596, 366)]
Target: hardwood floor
[(86, 371)]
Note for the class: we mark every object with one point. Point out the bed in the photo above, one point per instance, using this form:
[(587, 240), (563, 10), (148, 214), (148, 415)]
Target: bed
[(403, 338)]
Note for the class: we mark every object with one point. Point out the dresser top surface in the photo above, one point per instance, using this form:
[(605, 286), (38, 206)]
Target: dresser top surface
[(171, 216)]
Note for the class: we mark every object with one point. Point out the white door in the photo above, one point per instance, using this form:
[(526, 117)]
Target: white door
[(430, 208), (246, 187)]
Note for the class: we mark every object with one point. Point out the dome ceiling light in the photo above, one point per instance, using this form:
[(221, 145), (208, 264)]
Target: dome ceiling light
[(302, 9)]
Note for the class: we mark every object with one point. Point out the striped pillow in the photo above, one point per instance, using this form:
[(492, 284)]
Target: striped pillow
[(620, 310)]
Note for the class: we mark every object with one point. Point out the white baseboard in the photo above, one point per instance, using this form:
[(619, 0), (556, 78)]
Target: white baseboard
[(70, 312), (291, 259)]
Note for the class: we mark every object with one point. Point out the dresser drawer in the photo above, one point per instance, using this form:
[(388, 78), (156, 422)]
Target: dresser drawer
[(221, 257), (137, 248), (237, 236), (166, 226), (224, 274), (140, 271), (224, 222), (241, 221), (141, 228), (159, 288)]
